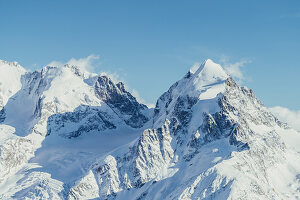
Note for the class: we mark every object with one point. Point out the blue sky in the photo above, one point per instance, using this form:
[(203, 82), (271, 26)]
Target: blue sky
[(152, 44)]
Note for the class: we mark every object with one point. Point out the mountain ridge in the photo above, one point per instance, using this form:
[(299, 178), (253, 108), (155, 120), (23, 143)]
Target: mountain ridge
[(89, 138)]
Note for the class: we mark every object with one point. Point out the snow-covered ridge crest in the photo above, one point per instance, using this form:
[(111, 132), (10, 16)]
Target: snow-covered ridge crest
[(13, 64)]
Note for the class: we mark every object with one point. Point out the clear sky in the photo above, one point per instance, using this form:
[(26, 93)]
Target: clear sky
[(152, 44)]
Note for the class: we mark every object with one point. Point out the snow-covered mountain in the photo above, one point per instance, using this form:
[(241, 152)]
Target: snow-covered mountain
[(69, 134), (41, 111)]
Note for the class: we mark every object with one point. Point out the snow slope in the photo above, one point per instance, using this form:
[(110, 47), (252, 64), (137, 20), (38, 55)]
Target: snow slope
[(70, 134)]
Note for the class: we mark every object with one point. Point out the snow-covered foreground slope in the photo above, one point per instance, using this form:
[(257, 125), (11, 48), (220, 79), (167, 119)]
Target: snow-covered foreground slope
[(67, 134)]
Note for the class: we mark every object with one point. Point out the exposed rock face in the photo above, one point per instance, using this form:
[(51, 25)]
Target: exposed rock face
[(85, 118), (2, 115), (121, 101)]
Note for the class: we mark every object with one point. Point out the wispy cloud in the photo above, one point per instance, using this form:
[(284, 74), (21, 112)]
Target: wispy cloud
[(88, 63), (234, 69), (55, 63), (288, 116), (195, 67), (140, 99), (115, 77)]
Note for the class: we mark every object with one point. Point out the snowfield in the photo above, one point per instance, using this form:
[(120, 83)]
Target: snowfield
[(71, 134)]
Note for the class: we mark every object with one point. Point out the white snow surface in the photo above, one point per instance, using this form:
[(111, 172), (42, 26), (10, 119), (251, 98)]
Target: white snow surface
[(10, 83), (208, 138)]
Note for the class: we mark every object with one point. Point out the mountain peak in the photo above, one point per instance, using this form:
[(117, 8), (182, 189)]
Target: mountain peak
[(210, 69), (12, 64)]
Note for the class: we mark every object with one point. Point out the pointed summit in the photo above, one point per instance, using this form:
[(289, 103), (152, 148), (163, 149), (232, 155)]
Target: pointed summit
[(209, 70), (207, 81), (203, 83)]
